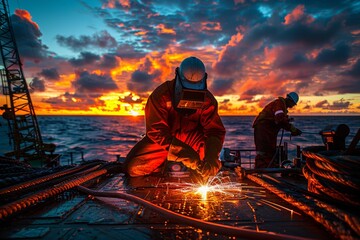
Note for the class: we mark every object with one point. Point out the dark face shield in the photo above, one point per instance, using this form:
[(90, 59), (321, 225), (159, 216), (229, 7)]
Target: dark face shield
[(192, 99), (186, 98)]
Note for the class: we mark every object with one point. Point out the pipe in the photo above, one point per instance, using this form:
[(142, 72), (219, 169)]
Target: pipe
[(36, 182), (197, 223), (23, 203), (242, 172)]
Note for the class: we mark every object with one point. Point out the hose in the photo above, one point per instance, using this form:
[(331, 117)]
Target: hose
[(277, 149), (197, 223)]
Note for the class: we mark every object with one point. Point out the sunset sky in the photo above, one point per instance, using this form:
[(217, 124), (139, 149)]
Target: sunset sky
[(107, 56)]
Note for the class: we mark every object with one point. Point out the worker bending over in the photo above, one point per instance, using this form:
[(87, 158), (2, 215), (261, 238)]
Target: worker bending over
[(267, 124), (182, 125)]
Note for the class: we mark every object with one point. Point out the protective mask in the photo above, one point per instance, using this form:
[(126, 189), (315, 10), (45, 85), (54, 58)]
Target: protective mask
[(186, 98)]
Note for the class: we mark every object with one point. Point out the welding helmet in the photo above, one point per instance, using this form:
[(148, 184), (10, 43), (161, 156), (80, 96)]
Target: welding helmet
[(293, 96), (190, 84)]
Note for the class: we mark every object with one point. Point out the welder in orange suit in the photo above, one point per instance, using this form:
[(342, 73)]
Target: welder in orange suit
[(268, 123), (182, 125)]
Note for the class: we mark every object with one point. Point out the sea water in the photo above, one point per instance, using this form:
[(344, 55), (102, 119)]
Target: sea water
[(109, 137)]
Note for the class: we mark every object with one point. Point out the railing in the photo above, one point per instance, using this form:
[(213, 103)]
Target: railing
[(246, 157), (238, 157)]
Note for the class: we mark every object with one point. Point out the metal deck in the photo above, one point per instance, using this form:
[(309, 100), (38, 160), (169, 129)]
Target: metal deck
[(239, 202)]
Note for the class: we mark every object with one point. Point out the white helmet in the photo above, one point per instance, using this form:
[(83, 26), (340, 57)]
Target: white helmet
[(293, 96), (192, 73)]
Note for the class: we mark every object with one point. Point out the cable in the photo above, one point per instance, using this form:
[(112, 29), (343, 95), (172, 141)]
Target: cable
[(277, 149), (331, 174), (43, 194), (197, 223)]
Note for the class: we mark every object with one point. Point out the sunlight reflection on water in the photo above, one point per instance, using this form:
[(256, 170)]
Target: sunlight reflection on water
[(106, 137)]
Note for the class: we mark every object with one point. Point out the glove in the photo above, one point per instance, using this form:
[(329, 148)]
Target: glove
[(181, 152), (296, 132), (211, 164), (209, 168)]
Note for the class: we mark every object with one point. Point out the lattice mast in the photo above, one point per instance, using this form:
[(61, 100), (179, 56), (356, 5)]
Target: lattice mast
[(25, 132)]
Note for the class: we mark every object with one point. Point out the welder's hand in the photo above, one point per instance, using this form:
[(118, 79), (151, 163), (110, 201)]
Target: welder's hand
[(211, 164), (181, 152), (209, 168), (297, 132)]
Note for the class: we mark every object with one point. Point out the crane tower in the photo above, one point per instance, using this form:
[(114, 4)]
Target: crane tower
[(20, 115)]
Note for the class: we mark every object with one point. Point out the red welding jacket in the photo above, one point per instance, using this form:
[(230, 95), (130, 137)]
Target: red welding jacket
[(275, 112), (163, 122), (193, 135)]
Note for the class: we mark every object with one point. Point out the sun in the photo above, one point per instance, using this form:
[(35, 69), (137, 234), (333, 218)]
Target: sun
[(133, 113)]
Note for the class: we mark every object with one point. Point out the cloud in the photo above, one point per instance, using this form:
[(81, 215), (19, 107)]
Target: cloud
[(341, 104), (267, 49), (141, 81), (27, 34), (335, 56), (37, 85), (348, 81), (50, 74), (322, 104), (94, 84), (108, 61), (130, 99), (73, 102), (99, 40), (221, 87), (86, 58)]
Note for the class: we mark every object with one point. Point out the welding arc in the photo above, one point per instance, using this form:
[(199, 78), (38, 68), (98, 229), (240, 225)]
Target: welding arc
[(197, 223)]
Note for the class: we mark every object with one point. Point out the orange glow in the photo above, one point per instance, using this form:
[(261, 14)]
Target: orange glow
[(133, 113), (112, 3), (162, 29), (60, 97), (203, 191), (228, 105), (211, 26), (296, 15), (97, 72), (65, 81), (23, 14)]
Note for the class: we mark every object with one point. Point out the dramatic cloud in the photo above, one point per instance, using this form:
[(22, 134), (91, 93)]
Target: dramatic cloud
[(341, 104), (221, 87), (50, 74), (27, 35), (141, 82), (348, 81), (94, 84), (130, 99), (86, 58), (99, 40), (37, 85), (254, 51), (73, 102)]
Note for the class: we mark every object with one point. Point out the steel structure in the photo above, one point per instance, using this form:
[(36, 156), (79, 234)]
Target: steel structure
[(23, 124)]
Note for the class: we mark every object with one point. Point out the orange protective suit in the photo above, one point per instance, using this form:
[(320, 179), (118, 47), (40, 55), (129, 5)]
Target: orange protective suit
[(266, 127), (187, 136)]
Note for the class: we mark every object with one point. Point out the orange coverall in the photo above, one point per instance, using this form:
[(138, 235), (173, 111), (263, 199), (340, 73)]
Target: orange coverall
[(266, 127), (176, 134)]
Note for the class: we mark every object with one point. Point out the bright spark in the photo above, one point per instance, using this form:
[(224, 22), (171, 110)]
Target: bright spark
[(203, 191), (218, 186)]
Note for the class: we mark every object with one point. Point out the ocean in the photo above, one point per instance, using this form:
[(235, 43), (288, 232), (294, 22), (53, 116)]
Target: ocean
[(107, 137)]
